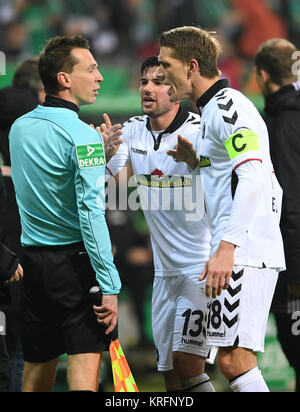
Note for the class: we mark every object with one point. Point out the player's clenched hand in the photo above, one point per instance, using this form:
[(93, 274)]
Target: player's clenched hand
[(107, 313), (218, 270), (18, 275), (184, 152), (111, 135)]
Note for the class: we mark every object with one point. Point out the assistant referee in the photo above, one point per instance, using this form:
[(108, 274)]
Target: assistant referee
[(58, 169)]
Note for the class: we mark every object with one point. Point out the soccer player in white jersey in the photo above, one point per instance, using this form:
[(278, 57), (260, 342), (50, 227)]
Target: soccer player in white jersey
[(180, 240), (243, 201)]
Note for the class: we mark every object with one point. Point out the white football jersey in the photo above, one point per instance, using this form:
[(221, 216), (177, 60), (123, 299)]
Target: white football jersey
[(171, 196), (233, 132)]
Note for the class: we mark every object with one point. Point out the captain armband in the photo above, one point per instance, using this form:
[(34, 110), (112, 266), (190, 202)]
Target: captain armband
[(241, 142)]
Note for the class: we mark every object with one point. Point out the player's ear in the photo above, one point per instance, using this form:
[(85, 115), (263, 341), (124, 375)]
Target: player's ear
[(264, 75), (64, 79), (193, 67)]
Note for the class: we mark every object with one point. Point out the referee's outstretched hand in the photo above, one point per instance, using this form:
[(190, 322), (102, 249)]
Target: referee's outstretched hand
[(111, 135), (107, 313)]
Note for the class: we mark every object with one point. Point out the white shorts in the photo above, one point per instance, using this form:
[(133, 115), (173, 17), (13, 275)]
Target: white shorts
[(179, 313), (238, 318)]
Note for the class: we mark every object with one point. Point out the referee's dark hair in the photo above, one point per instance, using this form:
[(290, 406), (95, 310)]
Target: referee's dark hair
[(151, 61), (275, 57), (56, 57)]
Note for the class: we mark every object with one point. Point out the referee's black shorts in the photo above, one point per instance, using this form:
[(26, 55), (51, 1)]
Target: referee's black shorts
[(57, 314)]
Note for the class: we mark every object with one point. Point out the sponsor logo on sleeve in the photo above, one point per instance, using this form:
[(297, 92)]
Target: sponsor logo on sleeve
[(204, 162), (90, 155)]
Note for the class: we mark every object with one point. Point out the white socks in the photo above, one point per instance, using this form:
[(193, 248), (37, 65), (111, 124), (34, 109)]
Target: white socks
[(199, 383), (251, 381)]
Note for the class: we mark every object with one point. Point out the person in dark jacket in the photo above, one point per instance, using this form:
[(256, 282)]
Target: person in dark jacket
[(10, 270), (280, 85), (8, 260), (26, 92)]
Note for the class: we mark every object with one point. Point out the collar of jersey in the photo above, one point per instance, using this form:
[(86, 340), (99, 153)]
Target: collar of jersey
[(211, 92), (178, 121), (52, 101)]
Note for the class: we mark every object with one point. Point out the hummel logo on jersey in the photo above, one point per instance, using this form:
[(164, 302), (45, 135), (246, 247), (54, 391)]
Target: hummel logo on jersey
[(192, 342), (222, 95), (193, 120), (231, 120), (226, 107), (139, 151)]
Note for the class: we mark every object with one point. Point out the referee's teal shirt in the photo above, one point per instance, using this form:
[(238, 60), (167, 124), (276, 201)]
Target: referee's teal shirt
[(58, 171)]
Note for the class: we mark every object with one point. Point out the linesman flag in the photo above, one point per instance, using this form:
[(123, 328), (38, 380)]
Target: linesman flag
[(123, 379)]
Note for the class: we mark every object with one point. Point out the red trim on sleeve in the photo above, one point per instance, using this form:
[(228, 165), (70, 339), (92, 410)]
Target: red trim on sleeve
[(247, 160), (109, 171)]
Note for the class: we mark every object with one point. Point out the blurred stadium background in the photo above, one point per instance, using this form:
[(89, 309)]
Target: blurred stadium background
[(122, 33)]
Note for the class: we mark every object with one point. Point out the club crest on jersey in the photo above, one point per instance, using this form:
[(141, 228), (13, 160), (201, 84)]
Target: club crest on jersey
[(157, 173)]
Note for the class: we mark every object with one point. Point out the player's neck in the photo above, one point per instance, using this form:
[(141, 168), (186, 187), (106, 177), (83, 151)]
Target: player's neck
[(200, 87), (162, 122)]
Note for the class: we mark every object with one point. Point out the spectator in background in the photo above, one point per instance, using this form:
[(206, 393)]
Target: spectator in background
[(121, 30), (260, 24), (14, 41), (25, 94), (10, 270), (290, 10), (281, 90)]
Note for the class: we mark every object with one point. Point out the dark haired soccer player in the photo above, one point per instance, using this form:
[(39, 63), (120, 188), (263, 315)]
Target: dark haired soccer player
[(180, 243)]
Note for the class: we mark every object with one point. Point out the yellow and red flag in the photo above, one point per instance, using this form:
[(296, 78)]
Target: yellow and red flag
[(123, 379)]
